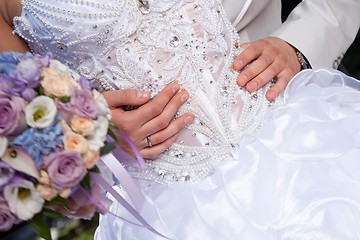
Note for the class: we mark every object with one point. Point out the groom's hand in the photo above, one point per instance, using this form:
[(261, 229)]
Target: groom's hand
[(264, 60)]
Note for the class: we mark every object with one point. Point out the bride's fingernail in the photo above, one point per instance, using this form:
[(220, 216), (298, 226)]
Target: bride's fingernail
[(188, 120), (253, 86), (142, 94), (176, 88), (184, 97)]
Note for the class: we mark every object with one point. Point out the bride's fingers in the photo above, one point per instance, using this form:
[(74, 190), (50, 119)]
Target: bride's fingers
[(162, 121), (154, 151), (173, 128), (157, 105), (128, 97)]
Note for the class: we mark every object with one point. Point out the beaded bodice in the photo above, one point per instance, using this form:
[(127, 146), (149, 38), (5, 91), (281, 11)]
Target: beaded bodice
[(146, 45)]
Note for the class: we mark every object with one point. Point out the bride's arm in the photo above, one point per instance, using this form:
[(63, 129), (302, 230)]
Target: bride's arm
[(9, 41)]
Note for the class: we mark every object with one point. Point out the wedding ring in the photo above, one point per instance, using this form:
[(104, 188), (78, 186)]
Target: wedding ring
[(149, 143)]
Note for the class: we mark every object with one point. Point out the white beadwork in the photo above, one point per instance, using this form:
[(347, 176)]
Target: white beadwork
[(117, 45)]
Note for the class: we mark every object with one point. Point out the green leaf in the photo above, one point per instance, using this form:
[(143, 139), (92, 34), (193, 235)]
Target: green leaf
[(112, 134), (57, 201), (65, 99), (107, 148), (41, 90), (85, 183), (39, 225), (52, 213)]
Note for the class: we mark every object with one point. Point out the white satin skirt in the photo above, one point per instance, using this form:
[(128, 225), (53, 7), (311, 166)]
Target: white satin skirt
[(300, 178)]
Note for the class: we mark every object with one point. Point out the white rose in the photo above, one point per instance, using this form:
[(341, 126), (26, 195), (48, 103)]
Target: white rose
[(40, 112), (23, 199), (102, 104), (63, 70), (97, 138)]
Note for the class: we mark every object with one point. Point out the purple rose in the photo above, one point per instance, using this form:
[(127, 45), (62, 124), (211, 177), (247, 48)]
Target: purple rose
[(66, 169), (7, 218), (84, 104), (12, 116), (81, 103)]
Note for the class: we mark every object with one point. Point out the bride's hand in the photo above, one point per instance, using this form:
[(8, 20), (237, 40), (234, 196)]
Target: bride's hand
[(268, 58), (153, 119)]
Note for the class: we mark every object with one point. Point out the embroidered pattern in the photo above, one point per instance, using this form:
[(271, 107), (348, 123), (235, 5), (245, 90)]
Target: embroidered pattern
[(116, 44)]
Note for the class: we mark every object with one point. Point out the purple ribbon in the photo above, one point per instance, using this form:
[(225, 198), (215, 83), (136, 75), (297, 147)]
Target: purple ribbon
[(102, 182), (125, 179), (113, 162)]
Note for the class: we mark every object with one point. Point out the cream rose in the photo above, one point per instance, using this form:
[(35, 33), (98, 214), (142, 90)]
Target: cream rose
[(47, 192), (91, 157), (75, 142), (81, 124), (44, 178), (53, 86)]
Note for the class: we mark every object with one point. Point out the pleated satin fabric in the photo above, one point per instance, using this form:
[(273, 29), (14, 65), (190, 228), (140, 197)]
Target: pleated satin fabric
[(299, 178)]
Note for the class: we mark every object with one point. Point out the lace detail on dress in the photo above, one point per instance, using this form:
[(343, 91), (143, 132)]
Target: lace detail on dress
[(118, 45)]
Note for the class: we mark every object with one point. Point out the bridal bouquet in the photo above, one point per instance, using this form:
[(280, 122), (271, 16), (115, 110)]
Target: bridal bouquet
[(53, 128)]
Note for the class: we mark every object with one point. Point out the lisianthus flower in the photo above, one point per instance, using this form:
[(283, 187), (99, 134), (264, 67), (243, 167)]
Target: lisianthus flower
[(28, 71), (40, 112), (7, 218), (66, 169), (6, 173), (3, 145), (21, 161), (84, 83), (12, 117), (23, 199), (25, 78)]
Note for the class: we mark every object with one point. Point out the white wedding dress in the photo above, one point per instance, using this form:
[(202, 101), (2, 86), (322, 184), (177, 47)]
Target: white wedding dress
[(246, 168)]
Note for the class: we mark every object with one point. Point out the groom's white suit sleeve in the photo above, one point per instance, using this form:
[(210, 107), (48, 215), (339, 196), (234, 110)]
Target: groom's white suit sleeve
[(322, 29)]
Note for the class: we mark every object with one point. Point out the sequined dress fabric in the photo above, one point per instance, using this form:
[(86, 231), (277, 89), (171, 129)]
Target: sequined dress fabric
[(246, 168)]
